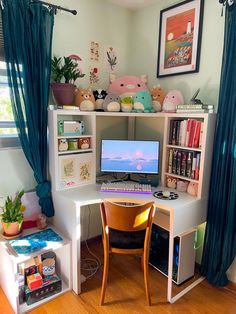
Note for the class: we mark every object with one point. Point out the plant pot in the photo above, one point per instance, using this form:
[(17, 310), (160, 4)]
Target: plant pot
[(11, 228), (63, 93)]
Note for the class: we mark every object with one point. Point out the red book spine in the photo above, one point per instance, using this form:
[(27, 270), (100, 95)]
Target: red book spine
[(192, 133), (197, 135)]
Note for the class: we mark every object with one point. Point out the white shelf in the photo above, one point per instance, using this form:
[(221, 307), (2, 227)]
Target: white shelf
[(181, 177), (10, 262), (74, 136), (184, 148), (74, 151), (207, 137)]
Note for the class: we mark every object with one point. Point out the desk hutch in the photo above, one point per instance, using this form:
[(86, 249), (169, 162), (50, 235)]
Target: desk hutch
[(73, 174)]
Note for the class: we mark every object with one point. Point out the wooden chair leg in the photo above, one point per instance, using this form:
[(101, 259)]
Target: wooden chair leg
[(146, 278), (105, 275), (142, 262)]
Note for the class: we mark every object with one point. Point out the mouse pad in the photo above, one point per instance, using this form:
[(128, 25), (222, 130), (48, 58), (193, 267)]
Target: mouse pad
[(172, 196)]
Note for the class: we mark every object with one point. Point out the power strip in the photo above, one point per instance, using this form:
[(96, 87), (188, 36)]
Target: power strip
[(82, 278)]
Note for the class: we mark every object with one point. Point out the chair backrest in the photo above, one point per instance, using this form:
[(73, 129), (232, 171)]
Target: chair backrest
[(126, 214)]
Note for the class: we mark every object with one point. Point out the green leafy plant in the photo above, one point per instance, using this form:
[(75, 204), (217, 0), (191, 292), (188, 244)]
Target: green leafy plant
[(13, 210), (65, 71)]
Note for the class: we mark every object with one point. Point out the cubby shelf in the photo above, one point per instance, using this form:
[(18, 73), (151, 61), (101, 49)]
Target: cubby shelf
[(184, 148), (10, 261), (205, 151), (75, 151)]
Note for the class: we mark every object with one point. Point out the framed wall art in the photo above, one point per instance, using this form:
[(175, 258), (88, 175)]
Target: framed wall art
[(180, 38)]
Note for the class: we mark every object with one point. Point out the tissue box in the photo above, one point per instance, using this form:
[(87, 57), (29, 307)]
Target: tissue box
[(51, 285)]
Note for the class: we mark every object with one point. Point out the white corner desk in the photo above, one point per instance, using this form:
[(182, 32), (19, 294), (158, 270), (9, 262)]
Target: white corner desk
[(185, 213)]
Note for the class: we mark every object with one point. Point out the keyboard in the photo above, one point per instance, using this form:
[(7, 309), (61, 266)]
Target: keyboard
[(126, 187)]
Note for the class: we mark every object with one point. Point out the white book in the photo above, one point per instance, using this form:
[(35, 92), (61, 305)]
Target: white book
[(183, 130)]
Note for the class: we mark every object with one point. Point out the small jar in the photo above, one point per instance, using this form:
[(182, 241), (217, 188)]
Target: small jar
[(73, 144)]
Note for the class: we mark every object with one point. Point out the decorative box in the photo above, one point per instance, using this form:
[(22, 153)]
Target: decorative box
[(84, 143), (70, 128), (34, 281), (51, 285)]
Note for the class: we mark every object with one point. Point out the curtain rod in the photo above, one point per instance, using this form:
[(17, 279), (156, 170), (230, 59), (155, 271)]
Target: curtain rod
[(56, 7)]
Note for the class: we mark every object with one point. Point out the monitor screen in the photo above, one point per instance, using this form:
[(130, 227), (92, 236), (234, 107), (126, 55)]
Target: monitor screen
[(130, 156)]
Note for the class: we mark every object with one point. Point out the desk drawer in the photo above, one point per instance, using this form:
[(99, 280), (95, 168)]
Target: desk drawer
[(162, 219)]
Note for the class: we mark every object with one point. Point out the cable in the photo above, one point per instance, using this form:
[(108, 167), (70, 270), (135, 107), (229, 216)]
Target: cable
[(90, 264)]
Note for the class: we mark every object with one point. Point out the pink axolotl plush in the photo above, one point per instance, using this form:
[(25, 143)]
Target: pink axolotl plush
[(127, 86), (172, 99)]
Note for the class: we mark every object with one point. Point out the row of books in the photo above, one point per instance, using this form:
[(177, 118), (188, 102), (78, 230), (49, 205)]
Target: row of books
[(186, 133), (184, 163), (198, 108)]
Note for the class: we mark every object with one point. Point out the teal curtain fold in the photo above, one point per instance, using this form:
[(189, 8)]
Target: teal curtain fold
[(27, 30), (220, 238)]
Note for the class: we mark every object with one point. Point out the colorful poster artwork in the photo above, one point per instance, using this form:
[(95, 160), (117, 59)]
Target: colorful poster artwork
[(179, 39)]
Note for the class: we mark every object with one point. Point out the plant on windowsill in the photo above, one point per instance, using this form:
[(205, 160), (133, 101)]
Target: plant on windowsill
[(64, 73), (12, 215)]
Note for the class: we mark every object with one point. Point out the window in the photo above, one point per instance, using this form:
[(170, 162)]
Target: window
[(8, 132)]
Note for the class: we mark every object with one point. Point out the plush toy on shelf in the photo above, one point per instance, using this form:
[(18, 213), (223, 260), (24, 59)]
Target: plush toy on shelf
[(127, 85), (111, 102), (192, 188), (172, 99), (171, 182), (143, 102), (158, 96), (127, 104), (99, 95), (85, 100), (182, 185)]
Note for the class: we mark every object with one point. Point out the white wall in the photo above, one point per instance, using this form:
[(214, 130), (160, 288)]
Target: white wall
[(15, 171), (143, 55)]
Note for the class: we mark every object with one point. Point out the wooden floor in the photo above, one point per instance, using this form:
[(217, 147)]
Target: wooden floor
[(125, 294)]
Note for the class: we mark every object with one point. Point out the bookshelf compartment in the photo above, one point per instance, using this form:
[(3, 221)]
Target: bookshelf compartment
[(186, 132), (183, 163), (200, 147)]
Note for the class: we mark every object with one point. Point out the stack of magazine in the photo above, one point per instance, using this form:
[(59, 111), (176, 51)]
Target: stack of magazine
[(198, 108)]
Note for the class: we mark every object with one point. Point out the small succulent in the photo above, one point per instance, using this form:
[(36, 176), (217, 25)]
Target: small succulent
[(13, 210)]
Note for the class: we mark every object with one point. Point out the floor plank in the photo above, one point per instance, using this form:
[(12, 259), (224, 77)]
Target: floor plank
[(125, 293)]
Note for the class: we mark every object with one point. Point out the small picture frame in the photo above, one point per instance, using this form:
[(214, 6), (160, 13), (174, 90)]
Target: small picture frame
[(180, 34), (76, 170)]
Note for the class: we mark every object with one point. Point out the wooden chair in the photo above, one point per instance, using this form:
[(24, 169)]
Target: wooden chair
[(126, 230)]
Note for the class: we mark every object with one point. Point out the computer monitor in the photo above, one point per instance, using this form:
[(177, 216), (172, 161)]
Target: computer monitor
[(130, 156)]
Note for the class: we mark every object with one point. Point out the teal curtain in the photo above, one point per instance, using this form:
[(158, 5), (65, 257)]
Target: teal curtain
[(27, 30), (220, 238)]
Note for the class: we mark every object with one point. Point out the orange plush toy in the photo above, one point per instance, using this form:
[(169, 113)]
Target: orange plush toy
[(158, 95), (85, 100)]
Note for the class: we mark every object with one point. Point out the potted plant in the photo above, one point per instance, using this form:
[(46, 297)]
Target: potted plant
[(12, 215), (64, 72)]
